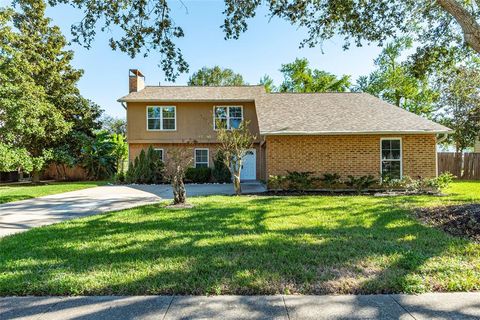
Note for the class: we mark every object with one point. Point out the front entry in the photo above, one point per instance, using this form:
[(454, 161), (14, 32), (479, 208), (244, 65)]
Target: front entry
[(249, 166)]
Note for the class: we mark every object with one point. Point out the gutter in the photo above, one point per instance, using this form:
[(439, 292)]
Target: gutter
[(443, 138), (313, 133)]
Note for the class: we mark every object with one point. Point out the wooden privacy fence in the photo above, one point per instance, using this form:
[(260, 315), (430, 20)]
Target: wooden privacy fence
[(464, 166)]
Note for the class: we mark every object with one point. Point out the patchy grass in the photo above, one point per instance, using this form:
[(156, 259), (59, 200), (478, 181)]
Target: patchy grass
[(247, 245), (16, 192)]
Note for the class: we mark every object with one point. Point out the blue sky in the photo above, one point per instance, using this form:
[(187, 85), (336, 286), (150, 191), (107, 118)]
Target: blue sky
[(261, 50)]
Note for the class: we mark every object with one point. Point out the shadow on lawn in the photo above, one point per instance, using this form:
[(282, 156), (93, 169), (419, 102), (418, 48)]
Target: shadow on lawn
[(256, 246)]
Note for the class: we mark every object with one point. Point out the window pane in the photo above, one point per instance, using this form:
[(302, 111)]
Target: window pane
[(235, 112), (385, 144), (235, 123), (201, 156), (160, 153), (168, 112), (221, 112), (391, 169), (168, 124), (154, 124), (220, 123), (201, 165), (153, 112), (395, 144), (395, 154)]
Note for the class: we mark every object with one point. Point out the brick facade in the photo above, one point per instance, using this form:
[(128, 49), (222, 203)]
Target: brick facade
[(135, 149), (355, 155)]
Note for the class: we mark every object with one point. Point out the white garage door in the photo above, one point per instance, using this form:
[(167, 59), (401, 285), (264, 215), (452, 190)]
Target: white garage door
[(249, 167)]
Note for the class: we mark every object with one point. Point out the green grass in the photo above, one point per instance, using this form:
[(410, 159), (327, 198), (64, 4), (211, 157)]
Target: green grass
[(247, 245), (16, 192)]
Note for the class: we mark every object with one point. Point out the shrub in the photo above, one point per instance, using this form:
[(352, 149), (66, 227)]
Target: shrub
[(330, 179), (147, 168), (220, 171), (198, 175), (276, 182), (360, 183), (299, 180), (433, 185)]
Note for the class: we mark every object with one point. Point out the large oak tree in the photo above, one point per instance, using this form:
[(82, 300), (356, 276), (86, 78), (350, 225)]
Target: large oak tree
[(148, 24)]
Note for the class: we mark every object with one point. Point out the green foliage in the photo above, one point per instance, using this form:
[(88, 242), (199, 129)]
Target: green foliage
[(276, 182), (299, 181), (120, 151), (221, 173), (394, 81), (41, 109), (360, 183), (198, 175), (147, 168), (215, 76), (267, 82), (299, 77), (329, 180), (114, 125), (98, 157), (12, 159), (425, 185), (460, 105)]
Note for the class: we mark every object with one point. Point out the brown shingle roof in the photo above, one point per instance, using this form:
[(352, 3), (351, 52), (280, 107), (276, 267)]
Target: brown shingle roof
[(302, 113), (191, 93), (336, 113)]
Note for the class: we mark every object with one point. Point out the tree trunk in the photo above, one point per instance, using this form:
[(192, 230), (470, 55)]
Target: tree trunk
[(236, 184), (179, 192), (35, 177), (470, 26)]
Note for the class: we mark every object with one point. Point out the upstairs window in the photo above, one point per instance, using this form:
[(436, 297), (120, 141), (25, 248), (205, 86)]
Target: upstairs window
[(161, 118), (201, 158), (391, 158), (228, 116)]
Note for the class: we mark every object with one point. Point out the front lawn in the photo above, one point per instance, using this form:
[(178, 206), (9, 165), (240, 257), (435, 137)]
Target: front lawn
[(247, 245), (16, 192)]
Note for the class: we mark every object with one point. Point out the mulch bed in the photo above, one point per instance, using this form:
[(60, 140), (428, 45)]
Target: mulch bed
[(460, 220)]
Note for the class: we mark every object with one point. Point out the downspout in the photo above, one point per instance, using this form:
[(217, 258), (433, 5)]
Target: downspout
[(439, 140), (123, 105)]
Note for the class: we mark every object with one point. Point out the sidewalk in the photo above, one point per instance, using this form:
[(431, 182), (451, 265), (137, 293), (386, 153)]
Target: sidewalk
[(426, 306)]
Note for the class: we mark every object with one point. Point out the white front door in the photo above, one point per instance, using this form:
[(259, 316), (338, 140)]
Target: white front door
[(249, 166)]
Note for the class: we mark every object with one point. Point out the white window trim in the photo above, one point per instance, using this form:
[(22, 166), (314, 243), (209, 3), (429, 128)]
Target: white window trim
[(228, 115), (401, 156), (161, 117), (195, 156), (163, 152)]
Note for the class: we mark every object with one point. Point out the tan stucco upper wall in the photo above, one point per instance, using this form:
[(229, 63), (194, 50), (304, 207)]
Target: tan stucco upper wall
[(194, 122), (355, 155), (477, 146)]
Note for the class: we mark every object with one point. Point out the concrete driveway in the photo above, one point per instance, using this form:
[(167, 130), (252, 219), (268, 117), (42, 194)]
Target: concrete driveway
[(23, 215)]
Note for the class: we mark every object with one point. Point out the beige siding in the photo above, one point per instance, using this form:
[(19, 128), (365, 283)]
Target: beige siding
[(194, 122), (135, 148)]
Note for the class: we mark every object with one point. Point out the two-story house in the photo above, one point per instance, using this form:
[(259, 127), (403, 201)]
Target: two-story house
[(345, 133)]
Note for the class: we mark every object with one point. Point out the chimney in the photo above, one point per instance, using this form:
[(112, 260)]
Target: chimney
[(136, 80)]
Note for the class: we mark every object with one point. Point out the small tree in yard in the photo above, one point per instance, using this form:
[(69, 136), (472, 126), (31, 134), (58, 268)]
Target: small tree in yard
[(234, 144), (176, 165)]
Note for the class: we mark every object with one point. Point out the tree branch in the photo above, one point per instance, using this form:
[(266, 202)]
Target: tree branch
[(468, 23)]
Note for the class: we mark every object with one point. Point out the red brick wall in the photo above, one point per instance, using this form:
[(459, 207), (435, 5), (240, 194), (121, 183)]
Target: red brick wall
[(355, 155)]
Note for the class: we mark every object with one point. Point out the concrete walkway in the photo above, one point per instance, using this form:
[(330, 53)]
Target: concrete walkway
[(23, 215), (426, 306)]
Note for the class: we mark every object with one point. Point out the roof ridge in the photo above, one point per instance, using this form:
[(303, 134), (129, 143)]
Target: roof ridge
[(221, 86)]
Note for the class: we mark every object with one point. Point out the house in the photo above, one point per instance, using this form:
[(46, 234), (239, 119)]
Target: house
[(476, 148), (346, 133)]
